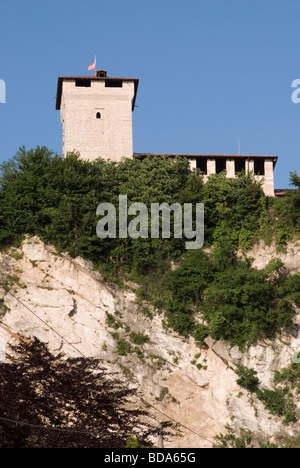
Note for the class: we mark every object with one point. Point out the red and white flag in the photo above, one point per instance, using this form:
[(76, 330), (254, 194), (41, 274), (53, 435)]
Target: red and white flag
[(93, 65)]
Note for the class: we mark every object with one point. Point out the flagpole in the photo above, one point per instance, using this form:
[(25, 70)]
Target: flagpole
[(93, 65)]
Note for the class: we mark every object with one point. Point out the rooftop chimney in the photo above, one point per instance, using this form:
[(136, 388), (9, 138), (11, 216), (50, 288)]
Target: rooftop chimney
[(100, 74)]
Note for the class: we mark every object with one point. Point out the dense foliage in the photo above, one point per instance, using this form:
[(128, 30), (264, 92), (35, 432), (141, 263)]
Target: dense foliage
[(245, 439), (282, 220), (247, 378), (210, 291), (49, 401), (278, 401)]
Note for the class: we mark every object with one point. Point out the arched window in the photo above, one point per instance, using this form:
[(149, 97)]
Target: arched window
[(98, 115)]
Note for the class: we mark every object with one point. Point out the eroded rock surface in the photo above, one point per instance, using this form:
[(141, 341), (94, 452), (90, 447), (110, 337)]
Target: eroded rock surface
[(66, 304)]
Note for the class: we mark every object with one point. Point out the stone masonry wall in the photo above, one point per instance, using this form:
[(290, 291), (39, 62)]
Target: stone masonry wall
[(110, 136)]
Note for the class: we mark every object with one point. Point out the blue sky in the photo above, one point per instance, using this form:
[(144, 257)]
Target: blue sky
[(211, 72)]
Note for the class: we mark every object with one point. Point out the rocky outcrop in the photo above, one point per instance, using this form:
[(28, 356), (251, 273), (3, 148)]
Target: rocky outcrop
[(262, 254), (65, 303)]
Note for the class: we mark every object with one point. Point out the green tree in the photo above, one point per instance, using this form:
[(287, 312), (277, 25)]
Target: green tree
[(63, 403), (56, 199), (240, 306), (247, 378)]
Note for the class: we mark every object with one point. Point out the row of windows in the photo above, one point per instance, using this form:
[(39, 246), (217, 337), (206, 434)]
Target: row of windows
[(87, 82), (240, 165)]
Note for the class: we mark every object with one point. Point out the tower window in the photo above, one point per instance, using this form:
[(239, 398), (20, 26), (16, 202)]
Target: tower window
[(259, 167), (82, 83), (98, 115), (220, 165), (111, 83), (202, 165), (240, 165)]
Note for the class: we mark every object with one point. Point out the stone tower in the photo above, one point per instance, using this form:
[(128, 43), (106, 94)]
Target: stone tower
[(96, 114)]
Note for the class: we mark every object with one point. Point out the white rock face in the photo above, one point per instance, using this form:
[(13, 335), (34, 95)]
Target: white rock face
[(64, 303), (262, 254)]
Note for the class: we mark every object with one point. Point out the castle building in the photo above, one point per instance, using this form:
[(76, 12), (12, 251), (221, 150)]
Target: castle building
[(261, 166), (96, 115)]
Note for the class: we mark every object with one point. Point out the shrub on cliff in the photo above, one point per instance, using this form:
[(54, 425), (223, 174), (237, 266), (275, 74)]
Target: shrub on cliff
[(56, 198)]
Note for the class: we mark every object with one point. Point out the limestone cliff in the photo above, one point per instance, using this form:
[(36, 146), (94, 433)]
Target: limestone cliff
[(65, 303)]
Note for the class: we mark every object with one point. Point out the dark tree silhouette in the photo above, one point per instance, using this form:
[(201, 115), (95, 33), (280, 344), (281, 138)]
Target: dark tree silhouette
[(73, 396)]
